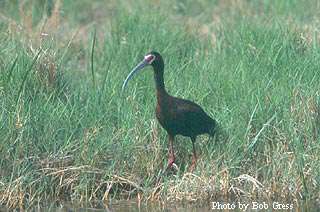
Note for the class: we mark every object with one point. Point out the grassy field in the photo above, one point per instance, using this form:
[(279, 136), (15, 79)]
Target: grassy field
[(68, 132)]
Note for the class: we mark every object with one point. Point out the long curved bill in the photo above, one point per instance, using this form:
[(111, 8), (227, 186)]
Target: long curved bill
[(136, 69)]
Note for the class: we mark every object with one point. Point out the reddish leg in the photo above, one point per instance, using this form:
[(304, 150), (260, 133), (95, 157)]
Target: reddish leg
[(170, 160), (171, 152), (194, 156)]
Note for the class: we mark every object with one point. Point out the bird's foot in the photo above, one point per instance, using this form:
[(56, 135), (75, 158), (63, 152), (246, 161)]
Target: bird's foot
[(175, 167), (172, 164), (169, 169)]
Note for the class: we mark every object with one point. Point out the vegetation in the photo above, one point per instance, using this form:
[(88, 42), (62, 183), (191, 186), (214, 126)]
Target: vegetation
[(68, 133)]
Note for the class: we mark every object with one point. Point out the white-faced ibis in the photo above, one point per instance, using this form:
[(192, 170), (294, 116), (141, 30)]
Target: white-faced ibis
[(177, 116)]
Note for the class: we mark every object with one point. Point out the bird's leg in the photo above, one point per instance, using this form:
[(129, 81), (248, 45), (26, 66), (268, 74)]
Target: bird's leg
[(194, 156), (170, 160), (171, 152)]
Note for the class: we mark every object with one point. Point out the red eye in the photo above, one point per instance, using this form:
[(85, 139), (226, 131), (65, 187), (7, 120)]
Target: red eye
[(149, 58)]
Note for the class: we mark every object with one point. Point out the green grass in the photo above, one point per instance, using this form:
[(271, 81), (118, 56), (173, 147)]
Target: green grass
[(68, 132)]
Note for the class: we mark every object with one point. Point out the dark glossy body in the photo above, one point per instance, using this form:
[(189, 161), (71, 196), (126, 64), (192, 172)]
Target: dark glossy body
[(177, 116), (182, 117)]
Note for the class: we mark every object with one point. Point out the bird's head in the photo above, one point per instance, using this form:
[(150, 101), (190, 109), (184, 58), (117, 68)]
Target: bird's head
[(153, 58)]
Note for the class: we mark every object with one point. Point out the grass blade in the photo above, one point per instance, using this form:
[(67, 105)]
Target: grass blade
[(26, 75)]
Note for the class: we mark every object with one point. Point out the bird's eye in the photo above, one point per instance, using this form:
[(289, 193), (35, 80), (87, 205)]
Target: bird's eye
[(149, 58)]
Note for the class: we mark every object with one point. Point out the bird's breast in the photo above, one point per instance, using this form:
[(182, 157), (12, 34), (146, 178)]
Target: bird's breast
[(165, 118)]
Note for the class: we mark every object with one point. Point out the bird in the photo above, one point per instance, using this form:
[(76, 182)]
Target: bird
[(176, 115)]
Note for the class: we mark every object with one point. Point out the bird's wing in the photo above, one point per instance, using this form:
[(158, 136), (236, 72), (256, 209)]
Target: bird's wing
[(183, 106), (191, 114)]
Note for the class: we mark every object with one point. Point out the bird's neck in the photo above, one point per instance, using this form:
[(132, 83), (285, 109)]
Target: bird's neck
[(160, 87), (159, 82)]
